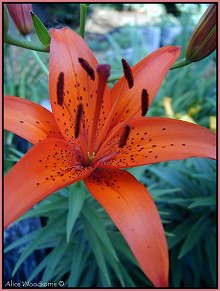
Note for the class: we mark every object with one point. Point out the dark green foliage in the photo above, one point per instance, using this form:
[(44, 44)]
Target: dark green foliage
[(192, 219)]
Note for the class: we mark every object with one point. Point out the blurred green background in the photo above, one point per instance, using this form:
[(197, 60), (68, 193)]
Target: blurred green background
[(73, 239)]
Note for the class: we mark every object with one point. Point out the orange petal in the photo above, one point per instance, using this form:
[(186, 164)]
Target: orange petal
[(154, 139), (133, 211), (47, 167), (148, 74), (70, 84), (29, 120)]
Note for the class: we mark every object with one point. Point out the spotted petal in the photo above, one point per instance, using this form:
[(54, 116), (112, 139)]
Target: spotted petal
[(148, 74), (154, 139), (48, 166), (133, 211), (29, 120), (71, 84)]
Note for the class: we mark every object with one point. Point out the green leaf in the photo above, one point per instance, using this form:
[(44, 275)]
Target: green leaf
[(116, 266), (16, 152), (209, 177), (194, 235), (55, 258), (90, 275), (21, 241), (176, 266), (126, 277), (159, 192), (97, 249), (45, 210), (41, 30), (39, 268), (180, 232), (211, 247), (203, 201), (96, 224), (43, 235), (169, 234), (197, 265), (76, 200), (79, 258)]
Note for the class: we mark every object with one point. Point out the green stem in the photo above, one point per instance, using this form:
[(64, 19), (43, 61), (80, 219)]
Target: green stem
[(40, 62), (25, 44), (181, 63), (83, 10)]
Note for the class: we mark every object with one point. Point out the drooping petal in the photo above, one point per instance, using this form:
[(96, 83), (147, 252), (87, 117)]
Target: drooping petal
[(73, 81), (154, 139), (48, 166), (133, 211), (148, 74), (29, 120)]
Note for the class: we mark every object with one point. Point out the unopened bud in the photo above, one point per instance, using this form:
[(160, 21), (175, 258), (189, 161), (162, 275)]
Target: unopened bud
[(203, 40), (20, 14)]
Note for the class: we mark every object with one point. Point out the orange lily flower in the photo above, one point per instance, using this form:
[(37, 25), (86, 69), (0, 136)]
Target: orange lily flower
[(91, 133)]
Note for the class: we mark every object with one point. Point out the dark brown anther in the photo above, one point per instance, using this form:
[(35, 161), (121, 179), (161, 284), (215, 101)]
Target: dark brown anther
[(60, 89), (144, 102), (78, 119), (124, 136), (86, 66), (128, 73)]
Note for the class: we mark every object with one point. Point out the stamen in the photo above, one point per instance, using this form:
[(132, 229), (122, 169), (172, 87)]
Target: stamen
[(144, 102), (86, 66), (78, 119), (124, 136), (60, 89), (103, 75), (128, 73)]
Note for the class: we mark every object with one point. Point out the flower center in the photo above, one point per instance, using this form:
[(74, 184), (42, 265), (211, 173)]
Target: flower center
[(91, 156)]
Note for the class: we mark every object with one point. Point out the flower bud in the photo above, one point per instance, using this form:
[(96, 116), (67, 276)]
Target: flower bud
[(203, 40), (20, 14)]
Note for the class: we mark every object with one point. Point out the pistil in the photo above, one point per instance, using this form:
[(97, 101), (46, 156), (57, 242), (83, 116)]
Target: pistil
[(103, 72)]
